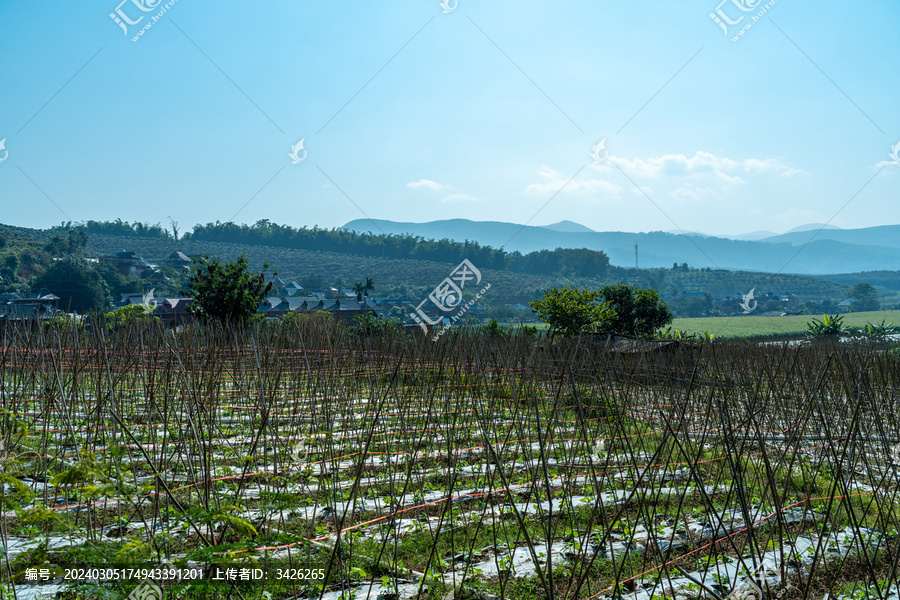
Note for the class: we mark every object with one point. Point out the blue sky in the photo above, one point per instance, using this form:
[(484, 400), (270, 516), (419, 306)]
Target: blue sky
[(488, 112)]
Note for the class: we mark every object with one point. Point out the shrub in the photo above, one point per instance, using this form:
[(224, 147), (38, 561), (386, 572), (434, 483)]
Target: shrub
[(829, 326), (374, 325), (227, 292), (130, 315), (571, 312)]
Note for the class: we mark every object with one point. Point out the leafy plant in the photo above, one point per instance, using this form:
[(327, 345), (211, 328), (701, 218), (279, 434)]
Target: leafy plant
[(872, 332), (828, 326), (492, 328), (370, 324)]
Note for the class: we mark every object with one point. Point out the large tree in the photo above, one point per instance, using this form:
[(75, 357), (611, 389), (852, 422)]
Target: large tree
[(865, 297), (227, 292), (635, 312), (77, 283)]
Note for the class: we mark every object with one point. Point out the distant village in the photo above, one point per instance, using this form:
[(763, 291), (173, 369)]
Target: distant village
[(344, 304), (285, 297)]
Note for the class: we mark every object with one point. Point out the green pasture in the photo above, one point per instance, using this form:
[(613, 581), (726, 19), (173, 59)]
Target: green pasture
[(758, 326)]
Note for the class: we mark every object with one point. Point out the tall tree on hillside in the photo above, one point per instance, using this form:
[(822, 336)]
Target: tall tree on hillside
[(228, 293), (9, 268), (370, 285), (174, 226), (73, 243)]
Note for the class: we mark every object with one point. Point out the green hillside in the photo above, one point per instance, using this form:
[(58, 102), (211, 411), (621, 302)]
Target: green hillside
[(347, 257)]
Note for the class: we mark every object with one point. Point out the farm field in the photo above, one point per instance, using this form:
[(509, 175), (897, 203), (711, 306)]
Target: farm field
[(753, 326), (343, 465)]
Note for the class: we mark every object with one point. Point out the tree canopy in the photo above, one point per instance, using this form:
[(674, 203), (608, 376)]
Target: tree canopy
[(227, 292), (77, 283), (619, 309), (865, 297), (571, 312), (634, 312)]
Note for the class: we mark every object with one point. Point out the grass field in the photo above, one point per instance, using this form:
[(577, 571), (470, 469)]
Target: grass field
[(753, 326)]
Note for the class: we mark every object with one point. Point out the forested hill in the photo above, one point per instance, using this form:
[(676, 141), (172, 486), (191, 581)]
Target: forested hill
[(574, 262), (351, 256)]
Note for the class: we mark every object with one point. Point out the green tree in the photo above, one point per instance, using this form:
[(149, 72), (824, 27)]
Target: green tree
[(9, 268), (634, 312), (865, 297), (571, 312), (77, 283), (73, 243), (227, 292), (119, 284)]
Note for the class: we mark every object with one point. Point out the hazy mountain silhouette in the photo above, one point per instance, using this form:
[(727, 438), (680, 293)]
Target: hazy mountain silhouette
[(568, 227), (816, 251)]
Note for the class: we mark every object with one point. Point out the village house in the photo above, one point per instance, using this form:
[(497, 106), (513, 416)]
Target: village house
[(176, 260), (126, 263), (19, 310)]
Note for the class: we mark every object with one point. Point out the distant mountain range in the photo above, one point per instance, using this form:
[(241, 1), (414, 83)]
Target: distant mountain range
[(809, 249)]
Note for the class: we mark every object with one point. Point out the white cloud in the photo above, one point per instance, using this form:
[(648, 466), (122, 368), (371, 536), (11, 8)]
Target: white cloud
[(455, 198), (428, 184), (702, 163), (689, 191), (887, 163), (585, 188)]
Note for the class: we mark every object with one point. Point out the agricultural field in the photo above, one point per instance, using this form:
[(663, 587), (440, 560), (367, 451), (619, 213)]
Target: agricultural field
[(793, 325), (342, 465)]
